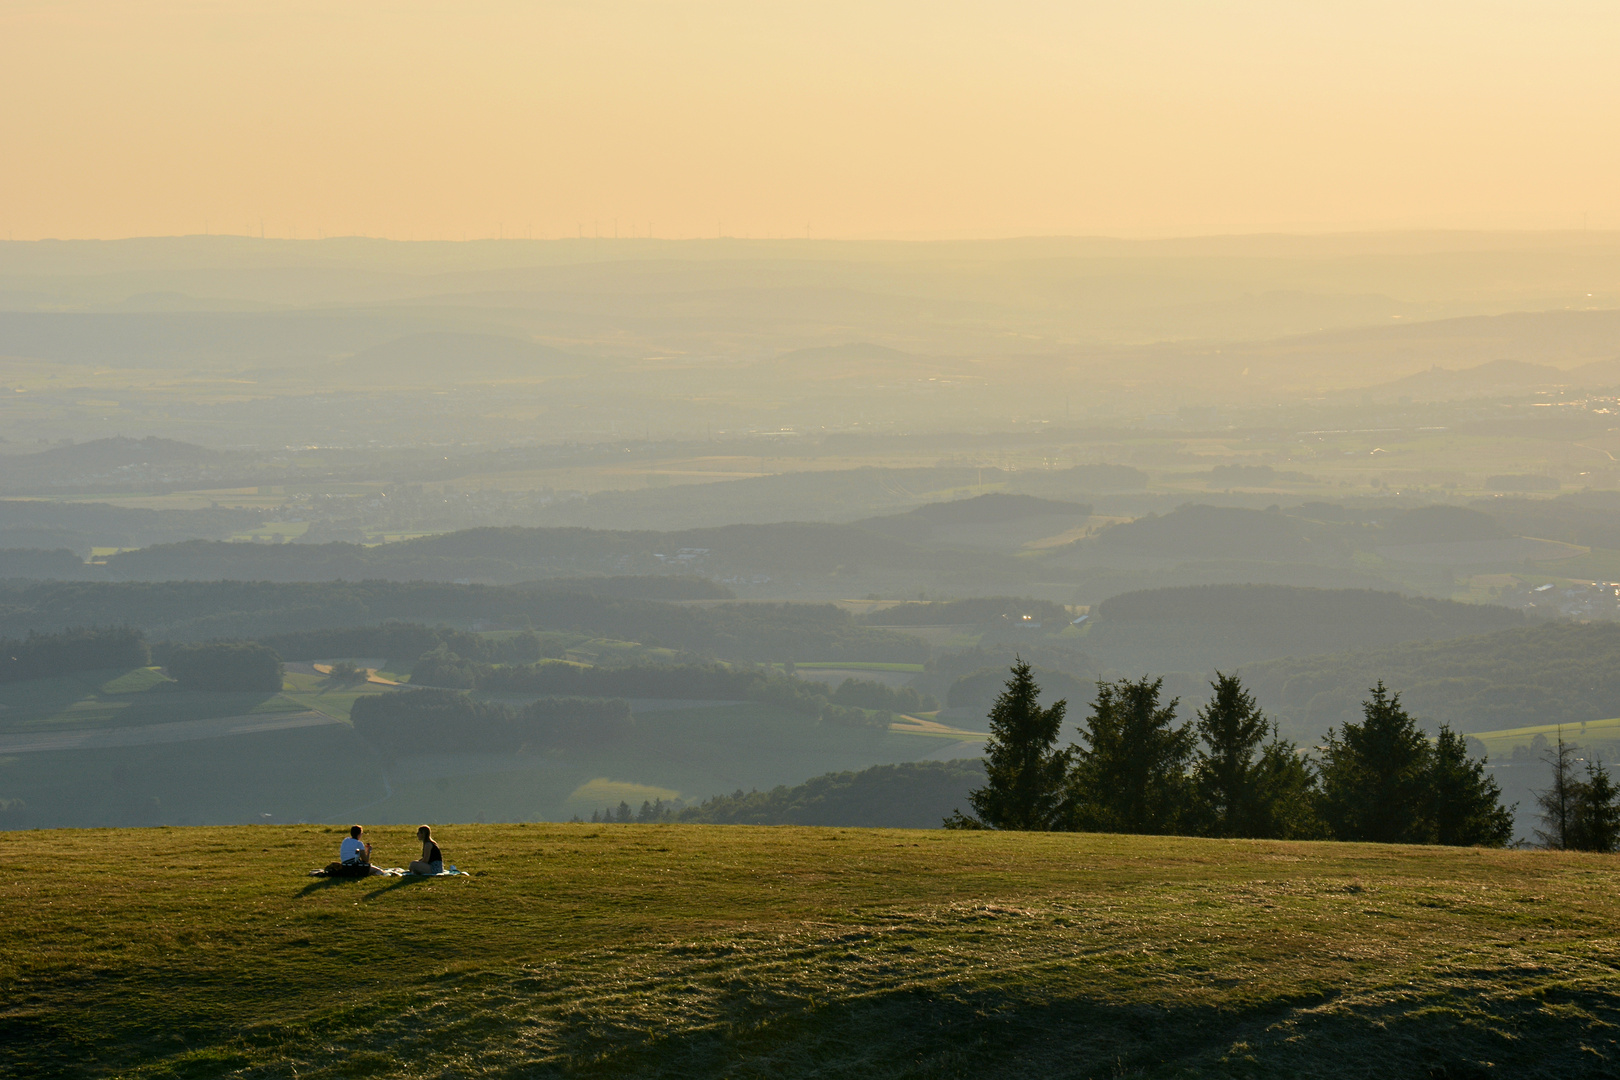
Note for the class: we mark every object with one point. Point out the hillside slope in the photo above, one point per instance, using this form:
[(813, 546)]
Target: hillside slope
[(1199, 627), (664, 951)]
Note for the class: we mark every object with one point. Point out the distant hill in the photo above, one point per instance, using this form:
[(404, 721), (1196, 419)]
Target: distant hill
[(1254, 476), (118, 460), (1203, 627), (442, 356), (1493, 377), (1591, 518), (1210, 532), (1598, 372), (1541, 674), (989, 508), (203, 610), (102, 455), (171, 338), (1441, 524), (510, 554), (1011, 519), (1529, 337), (80, 526)]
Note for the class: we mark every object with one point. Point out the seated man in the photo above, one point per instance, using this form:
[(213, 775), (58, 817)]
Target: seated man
[(432, 860), (355, 854)]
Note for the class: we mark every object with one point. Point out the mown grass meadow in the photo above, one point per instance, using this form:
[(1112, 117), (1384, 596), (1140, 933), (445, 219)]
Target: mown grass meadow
[(664, 951)]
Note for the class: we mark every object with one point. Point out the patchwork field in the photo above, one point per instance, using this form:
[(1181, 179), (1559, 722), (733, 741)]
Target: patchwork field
[(132, 698), (662, 951)]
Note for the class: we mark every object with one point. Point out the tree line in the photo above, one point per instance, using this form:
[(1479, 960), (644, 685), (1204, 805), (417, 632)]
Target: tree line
[(219, 666), (213, 610), (853, 703), (1228, 773), (85, 648)]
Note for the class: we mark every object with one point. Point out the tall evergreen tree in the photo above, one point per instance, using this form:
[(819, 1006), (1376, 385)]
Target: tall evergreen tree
[(1024, 770), (1287, 795), (1558, 800), (1596, 825), (1375, 776), (1466, 804), (1131, 774), (1225, 776)]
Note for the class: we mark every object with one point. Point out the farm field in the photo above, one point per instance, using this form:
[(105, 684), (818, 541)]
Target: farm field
[(1501, 743), (661, 951)]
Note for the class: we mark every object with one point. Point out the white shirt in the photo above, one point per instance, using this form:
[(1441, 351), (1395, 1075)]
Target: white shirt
[(351, 849)]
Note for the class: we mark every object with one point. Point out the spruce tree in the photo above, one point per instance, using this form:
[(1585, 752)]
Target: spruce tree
[(1286, 793), (1558, 800), (1596, 825), (1024, 770), (1466, 804), (1375, 776), (1131, 774), (1232, 727)]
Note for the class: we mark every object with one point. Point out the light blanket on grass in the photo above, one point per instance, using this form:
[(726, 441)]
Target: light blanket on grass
[(400, 871)]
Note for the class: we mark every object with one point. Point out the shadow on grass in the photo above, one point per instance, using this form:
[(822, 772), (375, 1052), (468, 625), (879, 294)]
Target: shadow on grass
[(398, 883), (332, 882), (752, 1031), (990, 1033)]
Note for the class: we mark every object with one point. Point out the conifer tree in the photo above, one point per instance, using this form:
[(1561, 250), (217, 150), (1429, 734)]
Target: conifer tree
[(1131, 774), (1466, 804), (1558, 800), (1232, 727), (1024, 770), (1596, 825), (1376, 774), (1286, 801)]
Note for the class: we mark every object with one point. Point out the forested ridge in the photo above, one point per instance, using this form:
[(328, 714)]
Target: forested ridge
[(201, 611), (516, 553), (1543, 674)]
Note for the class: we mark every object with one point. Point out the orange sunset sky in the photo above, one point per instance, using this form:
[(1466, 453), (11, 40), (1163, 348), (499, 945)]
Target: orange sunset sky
[(829, 118)]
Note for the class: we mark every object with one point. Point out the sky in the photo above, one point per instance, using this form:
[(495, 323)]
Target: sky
[(823, 118)]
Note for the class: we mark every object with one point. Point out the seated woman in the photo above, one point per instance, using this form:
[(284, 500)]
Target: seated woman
[(355, 854), (432, 860)]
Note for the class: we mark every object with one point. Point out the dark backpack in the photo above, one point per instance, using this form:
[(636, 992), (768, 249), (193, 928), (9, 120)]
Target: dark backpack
[(337, 869)]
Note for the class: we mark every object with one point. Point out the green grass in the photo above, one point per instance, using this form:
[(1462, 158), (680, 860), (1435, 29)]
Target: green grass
[(600, 793), (665, 951)]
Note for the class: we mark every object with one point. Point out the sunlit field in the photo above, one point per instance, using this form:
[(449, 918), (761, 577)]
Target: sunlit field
[(686, 950)]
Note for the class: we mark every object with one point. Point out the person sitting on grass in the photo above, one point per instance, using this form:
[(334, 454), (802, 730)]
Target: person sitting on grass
[(432, 860), (355, 854)]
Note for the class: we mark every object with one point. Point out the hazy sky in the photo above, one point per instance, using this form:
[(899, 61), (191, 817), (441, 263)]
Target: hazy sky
[(765, 118)]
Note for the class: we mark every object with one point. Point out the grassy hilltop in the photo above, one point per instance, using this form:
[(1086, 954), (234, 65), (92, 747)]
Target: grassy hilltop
[(655, 951)]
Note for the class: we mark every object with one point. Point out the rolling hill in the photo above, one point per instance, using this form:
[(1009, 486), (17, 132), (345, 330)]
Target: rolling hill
[(666, 951)]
